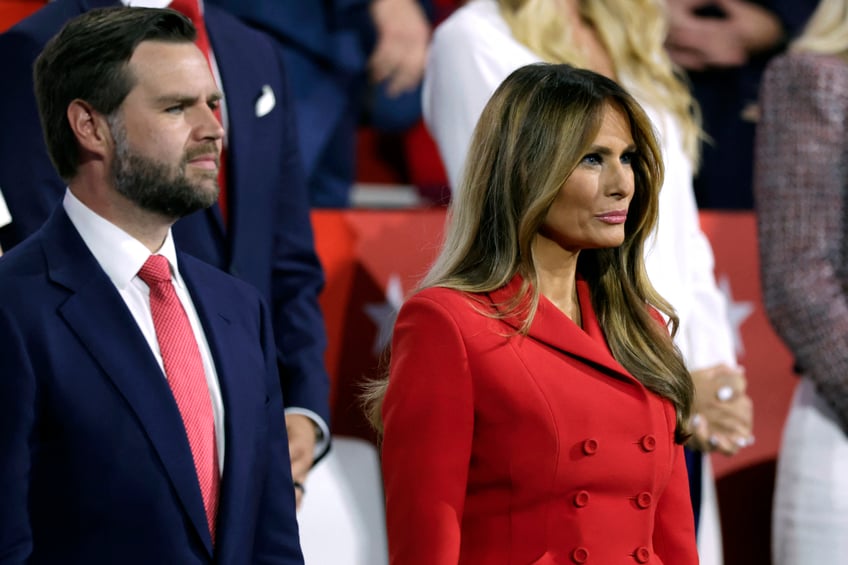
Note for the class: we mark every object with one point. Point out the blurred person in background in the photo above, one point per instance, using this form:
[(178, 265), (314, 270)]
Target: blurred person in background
[(346, 59), (724, 46), (801, 189)]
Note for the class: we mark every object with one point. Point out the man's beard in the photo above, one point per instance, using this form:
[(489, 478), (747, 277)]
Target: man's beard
[(158, 187)]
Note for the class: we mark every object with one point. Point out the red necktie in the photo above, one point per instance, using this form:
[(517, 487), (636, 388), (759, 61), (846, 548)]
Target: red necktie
[(184, 370), (191, 9)]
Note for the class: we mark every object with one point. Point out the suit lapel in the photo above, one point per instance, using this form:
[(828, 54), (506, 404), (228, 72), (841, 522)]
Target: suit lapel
[(99, 317), (553, 328)]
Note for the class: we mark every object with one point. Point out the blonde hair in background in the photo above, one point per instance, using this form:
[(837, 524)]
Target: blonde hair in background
[(635, 44), (827, 30)]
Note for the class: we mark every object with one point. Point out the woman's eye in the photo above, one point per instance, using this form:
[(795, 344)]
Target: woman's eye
[(628, 158), (592, 159)]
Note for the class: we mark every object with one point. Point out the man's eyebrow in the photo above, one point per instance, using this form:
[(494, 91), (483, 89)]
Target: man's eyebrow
[(166, 99)]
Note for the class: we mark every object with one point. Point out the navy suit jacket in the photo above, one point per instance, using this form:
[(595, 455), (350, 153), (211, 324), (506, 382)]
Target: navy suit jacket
[(725, 178), (325, 48), (325, 45), (95, 466), (268, 242)]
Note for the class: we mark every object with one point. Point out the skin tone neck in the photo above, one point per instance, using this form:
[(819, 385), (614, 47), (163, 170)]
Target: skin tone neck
[(557, 271)]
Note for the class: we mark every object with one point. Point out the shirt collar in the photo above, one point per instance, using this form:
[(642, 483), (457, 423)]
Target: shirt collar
[(119, 254), (153, 3)]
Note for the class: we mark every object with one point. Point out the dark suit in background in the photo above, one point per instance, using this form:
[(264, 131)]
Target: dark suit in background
[(728, 99), (325, 46), (93, 470), (268, 241)]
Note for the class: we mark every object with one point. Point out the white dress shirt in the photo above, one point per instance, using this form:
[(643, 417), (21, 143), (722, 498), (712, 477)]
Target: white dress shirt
[(121, 256)]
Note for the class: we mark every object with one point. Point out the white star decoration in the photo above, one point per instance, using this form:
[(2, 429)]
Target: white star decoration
[(383, 314), (737, 313)]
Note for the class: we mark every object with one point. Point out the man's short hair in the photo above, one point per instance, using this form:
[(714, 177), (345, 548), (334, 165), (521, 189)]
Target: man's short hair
[(88, 60)]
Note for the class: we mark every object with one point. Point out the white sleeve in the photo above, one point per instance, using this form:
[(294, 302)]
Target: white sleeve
[(471, 53), (680, 262)]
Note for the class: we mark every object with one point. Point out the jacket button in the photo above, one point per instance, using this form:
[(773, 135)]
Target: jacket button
[(590, 446), (648, 442), (642, 554), (644, 499), (580, 555), (581, 499)]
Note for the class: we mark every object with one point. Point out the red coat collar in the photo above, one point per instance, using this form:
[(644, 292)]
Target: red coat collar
[(553, 328)]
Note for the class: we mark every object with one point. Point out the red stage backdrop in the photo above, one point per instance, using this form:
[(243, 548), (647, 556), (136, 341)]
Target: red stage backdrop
[(374, 258)]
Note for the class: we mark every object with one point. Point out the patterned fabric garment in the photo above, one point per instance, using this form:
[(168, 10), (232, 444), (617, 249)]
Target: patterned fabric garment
[(801, 190), (802, 201)]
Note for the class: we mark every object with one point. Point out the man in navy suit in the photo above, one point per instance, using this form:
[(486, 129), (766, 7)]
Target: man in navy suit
[(96, 463), (267, 239)]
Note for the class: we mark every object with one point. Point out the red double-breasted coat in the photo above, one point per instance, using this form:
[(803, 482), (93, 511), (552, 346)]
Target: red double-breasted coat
[(542, 449)]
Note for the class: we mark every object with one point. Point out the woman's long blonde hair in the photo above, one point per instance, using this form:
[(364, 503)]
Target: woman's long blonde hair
[(827, 30), (532, 134), (635, 44)]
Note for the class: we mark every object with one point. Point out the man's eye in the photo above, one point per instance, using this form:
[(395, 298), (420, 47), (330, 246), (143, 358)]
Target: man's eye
[(176, 109)]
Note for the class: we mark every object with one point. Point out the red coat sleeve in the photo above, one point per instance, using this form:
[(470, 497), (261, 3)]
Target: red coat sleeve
[(428, 417)]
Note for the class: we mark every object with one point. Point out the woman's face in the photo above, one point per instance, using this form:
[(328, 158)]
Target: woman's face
[(590, 210)]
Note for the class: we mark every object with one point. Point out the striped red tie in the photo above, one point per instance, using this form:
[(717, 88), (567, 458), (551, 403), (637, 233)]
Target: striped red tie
[(184, 370)]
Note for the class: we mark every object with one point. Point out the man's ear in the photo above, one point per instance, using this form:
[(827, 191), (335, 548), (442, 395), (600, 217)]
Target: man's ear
[(90, 128)]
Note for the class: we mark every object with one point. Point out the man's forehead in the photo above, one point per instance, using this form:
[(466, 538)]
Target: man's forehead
[(153, 51), (171, 66)]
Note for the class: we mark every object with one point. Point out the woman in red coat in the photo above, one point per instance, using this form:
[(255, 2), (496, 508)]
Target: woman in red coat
[(535, 403)]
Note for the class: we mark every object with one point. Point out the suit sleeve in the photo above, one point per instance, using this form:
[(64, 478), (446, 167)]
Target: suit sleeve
[(30, 184), (277, 540), (428, 416), (801, 193), (298, 279), (17, 422), (674, 529)]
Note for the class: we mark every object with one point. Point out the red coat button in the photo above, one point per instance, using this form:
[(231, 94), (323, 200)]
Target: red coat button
[(642, 554), (590, 446), (648, 443), (580, 555), (644, 499), (581, 499)]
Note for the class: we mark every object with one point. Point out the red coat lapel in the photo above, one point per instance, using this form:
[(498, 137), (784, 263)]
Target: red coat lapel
[(553, 328)]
